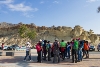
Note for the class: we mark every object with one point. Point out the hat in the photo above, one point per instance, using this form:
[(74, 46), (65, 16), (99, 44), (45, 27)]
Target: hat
[(40, 40), (28, 43), (56, 39)]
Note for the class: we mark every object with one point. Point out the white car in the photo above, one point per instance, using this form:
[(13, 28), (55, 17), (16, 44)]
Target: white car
[(23, 48), (5, 47)]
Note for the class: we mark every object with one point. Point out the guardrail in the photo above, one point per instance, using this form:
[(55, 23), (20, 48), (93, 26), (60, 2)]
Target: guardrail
[(7, 53)]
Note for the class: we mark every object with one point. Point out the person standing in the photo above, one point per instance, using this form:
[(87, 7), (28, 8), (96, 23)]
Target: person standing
[(83, 42), (86, 49), (2, 46), (28, 51), (39, 52), (44, 49), (42, 43), (75, 50), (56, 51), (63, 47), (68, 49), (49, 50), (71, 45), (80, 51)]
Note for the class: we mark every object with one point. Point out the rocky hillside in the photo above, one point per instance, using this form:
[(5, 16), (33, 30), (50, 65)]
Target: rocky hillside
[(9, 33)]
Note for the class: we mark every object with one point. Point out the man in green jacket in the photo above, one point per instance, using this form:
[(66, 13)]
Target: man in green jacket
[(63, 47), (75, 50)]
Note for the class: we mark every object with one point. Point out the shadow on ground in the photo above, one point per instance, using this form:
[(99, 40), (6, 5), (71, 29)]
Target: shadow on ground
[(18, 60)]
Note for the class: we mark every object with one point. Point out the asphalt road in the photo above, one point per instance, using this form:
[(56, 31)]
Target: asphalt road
[(91, 52), (22, 53)]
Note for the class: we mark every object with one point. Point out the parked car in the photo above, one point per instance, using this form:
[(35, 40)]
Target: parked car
[(98, 47), (9, 48), (23, 47), (5, 47), (92, 48), (14, 46)]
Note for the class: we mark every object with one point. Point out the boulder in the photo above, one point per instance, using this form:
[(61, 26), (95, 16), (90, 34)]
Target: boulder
[(93, 37), (77, 31)]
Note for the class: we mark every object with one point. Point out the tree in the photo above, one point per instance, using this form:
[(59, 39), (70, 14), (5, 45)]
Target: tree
[(24, 32), (31, 34)]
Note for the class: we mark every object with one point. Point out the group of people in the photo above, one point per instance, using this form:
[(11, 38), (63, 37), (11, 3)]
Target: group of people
[(76, 48)]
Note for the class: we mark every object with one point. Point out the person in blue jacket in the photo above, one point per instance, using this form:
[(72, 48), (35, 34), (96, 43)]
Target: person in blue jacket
[(68, 49), (81, 44)]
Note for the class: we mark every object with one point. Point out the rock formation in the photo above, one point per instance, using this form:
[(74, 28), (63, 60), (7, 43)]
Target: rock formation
[(9, 34)]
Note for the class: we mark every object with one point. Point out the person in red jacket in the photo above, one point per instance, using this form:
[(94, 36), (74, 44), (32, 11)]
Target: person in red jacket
[(2, 45), (39, 52)]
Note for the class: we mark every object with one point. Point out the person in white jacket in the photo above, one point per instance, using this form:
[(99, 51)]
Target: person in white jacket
[(28, 51)]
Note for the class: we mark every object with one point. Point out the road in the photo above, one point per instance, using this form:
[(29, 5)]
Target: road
[(17, 61), (33, 52)]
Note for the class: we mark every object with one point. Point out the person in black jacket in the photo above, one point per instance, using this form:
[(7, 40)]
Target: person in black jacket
[(49, 50), (56, 51), (44, 49)]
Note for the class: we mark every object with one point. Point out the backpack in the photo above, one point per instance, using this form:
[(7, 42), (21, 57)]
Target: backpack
[(44, 46), (48, 46), (55, 45), (55, 48)]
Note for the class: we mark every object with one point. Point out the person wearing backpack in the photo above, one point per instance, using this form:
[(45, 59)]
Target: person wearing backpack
[(42, 42), (44, 49), (63, 47), (56, 51), (71, 45), (39, 52), (49, 50)]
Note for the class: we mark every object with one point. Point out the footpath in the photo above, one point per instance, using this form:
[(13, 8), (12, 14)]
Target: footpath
[(17, 61)]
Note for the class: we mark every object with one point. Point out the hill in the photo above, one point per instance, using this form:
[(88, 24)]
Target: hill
[(9, 33)]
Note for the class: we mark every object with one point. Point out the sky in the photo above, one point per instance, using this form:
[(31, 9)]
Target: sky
[(52, 12)]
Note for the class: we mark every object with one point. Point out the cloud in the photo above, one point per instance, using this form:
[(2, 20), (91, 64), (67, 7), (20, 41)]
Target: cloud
[(56, 2), (41, 2), (6, 1), (92, 1), (21, 7)]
